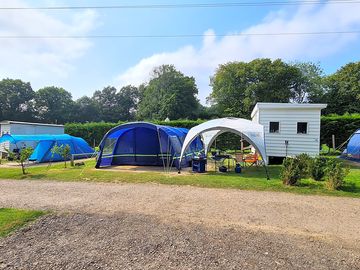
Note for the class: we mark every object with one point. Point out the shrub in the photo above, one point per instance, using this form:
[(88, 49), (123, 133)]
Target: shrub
[(335, 174), (317, 168), (304, 163), (290, 173)]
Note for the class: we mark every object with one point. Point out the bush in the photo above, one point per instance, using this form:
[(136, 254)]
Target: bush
[(290, 173), (335, 174), (317, 168), (304, 163)]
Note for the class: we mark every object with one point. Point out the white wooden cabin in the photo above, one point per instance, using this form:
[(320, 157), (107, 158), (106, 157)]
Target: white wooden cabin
[(26, 128), (290, 129)]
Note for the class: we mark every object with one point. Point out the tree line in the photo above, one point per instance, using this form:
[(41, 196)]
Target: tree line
[(236, 88)]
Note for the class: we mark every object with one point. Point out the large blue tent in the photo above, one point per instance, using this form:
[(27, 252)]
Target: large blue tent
[(352, 150), (145, 144), (43, 144)]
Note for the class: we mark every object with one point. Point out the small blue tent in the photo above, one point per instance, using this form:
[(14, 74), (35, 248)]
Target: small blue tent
[(352, 150), (145, 144), (44, 143)]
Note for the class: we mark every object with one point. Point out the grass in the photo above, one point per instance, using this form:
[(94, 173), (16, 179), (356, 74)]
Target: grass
[(12, 219), (250, 179)]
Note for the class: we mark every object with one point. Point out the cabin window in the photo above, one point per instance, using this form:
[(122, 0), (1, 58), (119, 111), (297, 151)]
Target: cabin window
[(274, 127), (302, 127)]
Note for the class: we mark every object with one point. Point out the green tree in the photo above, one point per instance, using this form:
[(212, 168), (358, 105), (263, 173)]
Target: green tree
[(238, 86), (309, 86), (127, 99), (16, 99), (343, 93), (168, 94), (54, 105), (62, 150), (111, 104), (24, 156), (86, 110)]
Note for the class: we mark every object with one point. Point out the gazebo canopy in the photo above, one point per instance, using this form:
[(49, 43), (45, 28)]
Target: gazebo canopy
[(252, 132)]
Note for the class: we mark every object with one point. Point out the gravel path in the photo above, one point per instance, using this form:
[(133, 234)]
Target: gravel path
[(150, 226)]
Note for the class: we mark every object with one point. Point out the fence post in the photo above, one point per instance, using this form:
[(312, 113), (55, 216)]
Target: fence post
[(333, 142), (72, 161)]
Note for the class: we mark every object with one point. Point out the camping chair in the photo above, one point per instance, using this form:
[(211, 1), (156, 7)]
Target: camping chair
[(251, 160)]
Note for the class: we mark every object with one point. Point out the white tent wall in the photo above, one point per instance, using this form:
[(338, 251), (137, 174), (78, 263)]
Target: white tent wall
[(252, 132)]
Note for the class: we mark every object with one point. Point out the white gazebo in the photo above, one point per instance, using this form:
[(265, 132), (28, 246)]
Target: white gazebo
[(251, 131)]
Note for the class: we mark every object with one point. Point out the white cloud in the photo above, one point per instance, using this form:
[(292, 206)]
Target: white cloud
[(202, 62), (41, 60)]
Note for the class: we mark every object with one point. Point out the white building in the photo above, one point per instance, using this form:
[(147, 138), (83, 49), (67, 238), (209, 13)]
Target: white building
[(25, 128), (290, 129)]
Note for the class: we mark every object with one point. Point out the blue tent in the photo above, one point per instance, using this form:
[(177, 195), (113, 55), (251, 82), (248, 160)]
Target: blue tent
[(352, 150), (43, 144), (145, 144)]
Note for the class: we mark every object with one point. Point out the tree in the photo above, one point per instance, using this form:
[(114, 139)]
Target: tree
[(63, 150), (24, 156), (343, 90), (86, 110), (238, 86), (114, 106), (127, 99), (16, 100), (310, 84), (54, 105), (169, 94)]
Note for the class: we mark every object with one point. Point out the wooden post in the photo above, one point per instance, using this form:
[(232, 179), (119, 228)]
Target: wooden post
[(72, 161), (333, 142)]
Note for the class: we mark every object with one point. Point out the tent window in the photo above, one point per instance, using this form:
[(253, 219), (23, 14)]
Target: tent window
[(109, 146), (274, 127), (302, 127)]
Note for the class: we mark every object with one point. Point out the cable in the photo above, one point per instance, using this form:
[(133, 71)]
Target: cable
[(178, 35), (190, 5)]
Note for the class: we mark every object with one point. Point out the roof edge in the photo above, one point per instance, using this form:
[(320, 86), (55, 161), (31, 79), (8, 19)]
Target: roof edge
[(29, 123), (269, 105)]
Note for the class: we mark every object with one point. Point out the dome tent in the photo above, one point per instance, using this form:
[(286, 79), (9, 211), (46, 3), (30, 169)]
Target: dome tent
[(145, 144), (43, 144), (352, 150)]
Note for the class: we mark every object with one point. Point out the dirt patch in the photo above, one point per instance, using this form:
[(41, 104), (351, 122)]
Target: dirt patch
[(135, 241)]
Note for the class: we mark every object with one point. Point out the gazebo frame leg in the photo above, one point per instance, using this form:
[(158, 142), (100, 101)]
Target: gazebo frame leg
[(267, 172)]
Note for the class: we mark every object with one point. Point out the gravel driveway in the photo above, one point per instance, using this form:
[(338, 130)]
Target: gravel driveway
[(150, 226)]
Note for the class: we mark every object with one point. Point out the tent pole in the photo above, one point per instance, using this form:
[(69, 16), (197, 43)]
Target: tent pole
[(267, 172), (162, 158)]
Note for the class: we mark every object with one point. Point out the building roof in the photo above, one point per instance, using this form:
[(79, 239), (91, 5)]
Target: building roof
[(303, 106), (28, 123)]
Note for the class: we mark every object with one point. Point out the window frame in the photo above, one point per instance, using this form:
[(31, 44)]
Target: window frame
[(276, 132), (307, 128)]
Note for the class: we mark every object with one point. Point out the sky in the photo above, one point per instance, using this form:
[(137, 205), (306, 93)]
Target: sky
[(82, 66)]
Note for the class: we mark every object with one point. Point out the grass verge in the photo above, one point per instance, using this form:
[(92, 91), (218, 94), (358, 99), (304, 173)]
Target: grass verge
[(12, 219), (250, 179)]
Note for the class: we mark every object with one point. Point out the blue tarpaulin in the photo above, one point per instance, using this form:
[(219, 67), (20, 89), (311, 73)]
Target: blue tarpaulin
[(145, 144), (352, 150), (44, 144)]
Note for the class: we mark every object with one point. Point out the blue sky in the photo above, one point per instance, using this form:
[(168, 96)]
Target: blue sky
[(82, 66)]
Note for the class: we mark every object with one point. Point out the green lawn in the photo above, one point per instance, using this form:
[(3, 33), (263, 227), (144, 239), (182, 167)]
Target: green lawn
[(250, 179), (12, 219)]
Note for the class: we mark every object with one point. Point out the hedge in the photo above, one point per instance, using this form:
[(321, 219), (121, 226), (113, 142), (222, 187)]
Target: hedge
[(342, 126)]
